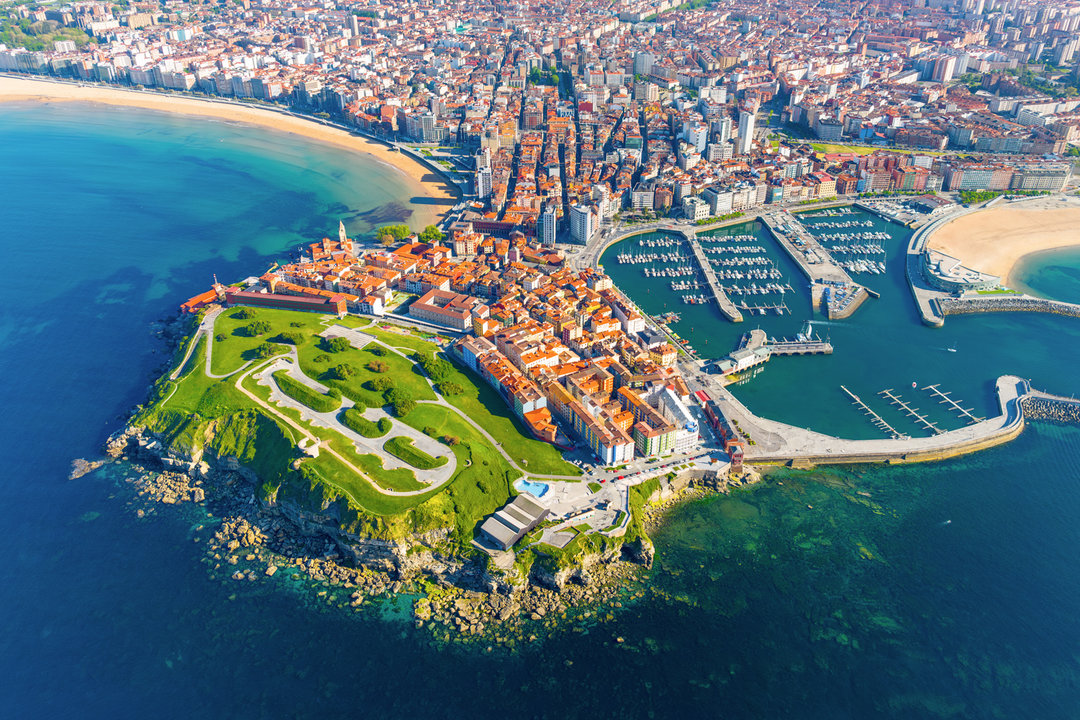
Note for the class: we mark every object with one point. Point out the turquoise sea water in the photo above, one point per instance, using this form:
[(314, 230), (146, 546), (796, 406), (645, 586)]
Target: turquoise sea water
[(938, 591)]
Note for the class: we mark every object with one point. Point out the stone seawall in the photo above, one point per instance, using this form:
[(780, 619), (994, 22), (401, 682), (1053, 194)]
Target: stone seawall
[(1017, 303), (1062, 411), (899, 458)]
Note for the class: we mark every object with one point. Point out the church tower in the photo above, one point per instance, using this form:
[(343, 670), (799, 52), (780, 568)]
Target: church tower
[(341, 232)]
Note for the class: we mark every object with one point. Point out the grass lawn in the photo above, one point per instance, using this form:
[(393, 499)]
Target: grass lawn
[(481, 403), (235, 349), (398, 479), (831, 148), (483, 481), (198, 407), (317, 364), (405, 343), (403, 449)]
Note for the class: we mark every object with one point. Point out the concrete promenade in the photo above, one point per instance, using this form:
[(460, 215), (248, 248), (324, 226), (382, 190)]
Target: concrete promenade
[(780, 443)]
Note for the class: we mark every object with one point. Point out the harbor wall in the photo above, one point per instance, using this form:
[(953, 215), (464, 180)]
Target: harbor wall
[(1016, 303), (898, 458)]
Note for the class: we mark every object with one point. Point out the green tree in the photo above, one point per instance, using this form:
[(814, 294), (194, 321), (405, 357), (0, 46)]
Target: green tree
[(397, 395), (403, 408), (289, 336), (341, 371), (379, 384), (264, 351), (398, 231), (431, 234), (449, 388), (337, 344), (257, 328)]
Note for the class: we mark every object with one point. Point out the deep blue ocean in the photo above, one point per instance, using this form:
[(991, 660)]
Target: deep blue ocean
[(937, 591)]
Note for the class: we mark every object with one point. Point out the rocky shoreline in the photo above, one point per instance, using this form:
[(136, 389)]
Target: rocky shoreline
[(455, 600)]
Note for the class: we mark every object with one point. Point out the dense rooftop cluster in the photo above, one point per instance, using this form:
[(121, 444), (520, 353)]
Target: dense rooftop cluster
[(576, 110), (564, 349)]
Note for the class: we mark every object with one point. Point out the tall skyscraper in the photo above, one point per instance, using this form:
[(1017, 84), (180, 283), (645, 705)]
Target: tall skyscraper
[(582, 222), (643, 63), (483, 183), (723, 127), (746, 131), (546, 226)]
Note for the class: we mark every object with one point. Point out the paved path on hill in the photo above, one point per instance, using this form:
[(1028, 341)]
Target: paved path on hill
[(326, 448), (431, 478), (206, 328)]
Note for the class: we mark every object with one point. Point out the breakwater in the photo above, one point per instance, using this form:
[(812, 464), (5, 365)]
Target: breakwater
[(1040, 408), (1009, 303), (774, 443)]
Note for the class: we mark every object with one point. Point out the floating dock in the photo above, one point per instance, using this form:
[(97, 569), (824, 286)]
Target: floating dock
[(912, 412), (964, 413), (874, 417)]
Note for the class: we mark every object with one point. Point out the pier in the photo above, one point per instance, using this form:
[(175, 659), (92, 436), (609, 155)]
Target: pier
[(874, 417), (775, 442), (811, 257), (723, 302), (829, 282), (947, 400), (800, 347), (912, 412)]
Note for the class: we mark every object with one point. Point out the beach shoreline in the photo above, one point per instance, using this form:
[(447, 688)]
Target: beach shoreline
[(998, 240), (421, 181)]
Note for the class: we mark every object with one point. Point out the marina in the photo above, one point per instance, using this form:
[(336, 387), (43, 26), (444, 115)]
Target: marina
[(874, 417), (912, 412), (832, 288), (946, 399)]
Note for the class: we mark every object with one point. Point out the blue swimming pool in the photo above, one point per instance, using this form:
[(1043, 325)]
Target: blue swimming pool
[(533, 488)]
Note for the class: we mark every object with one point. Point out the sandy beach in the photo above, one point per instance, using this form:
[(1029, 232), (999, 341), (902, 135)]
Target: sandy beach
[(994, 240), (422, 181)]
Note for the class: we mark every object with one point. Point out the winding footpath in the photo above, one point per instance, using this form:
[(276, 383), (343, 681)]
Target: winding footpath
[(206, 328)]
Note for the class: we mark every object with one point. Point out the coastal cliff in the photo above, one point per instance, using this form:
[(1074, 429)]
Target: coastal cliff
[(466, 592)]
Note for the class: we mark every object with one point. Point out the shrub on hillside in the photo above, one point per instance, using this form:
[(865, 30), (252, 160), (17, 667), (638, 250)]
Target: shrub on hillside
[(341, 371), (379, 384), (338, 344)]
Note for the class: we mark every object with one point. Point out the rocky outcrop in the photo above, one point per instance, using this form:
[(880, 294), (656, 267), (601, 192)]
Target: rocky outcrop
[(80, 467), (640, 551)]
